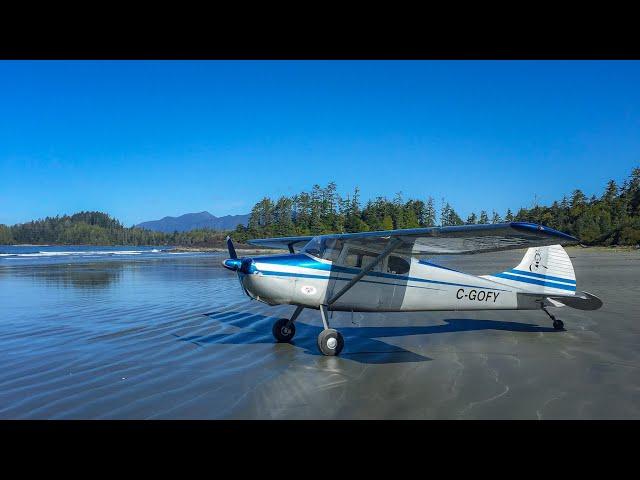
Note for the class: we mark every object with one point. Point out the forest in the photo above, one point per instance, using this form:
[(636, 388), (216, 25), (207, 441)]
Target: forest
[(612, 218), (97, 228)]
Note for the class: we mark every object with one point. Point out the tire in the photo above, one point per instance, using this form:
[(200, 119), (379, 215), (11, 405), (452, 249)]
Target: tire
[(330, 342), (281, 333), (558, 324)]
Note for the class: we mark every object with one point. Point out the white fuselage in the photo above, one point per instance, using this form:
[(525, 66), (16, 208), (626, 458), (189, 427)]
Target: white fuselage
[(301, 279)]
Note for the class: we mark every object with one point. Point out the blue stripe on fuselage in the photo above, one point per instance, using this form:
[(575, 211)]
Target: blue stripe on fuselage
[(540, 275), (424, 262), (304, 261), (535, 282), (324, 277)]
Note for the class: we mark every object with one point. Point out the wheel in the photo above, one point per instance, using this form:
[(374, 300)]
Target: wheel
[(330, 342), (558, 324), (281, 332)]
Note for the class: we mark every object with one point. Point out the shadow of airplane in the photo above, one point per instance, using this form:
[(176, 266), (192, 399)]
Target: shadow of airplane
[(361, 343)]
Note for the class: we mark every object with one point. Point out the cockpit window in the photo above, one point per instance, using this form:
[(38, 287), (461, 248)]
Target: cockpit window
[(325, 248), (313, 247), (332, 249), (359, 258)]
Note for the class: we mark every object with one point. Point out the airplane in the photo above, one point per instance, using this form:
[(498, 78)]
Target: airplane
[(390, 271)]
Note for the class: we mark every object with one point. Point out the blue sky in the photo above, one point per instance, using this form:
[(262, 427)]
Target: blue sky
[(141, 140)]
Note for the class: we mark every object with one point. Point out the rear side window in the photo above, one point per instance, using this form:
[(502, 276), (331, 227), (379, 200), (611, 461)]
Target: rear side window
[(397, 265)]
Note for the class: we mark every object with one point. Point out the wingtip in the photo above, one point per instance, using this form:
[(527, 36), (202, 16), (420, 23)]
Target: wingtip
[(527, 226)]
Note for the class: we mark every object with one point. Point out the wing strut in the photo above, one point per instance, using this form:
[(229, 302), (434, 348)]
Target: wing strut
[(393, 244)]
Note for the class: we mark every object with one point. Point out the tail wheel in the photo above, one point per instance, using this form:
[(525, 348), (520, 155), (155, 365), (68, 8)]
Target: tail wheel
[(330, 342), (558, 324), (283, 333)]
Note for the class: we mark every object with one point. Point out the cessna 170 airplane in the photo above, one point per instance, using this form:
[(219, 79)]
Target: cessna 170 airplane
[(389, 271)]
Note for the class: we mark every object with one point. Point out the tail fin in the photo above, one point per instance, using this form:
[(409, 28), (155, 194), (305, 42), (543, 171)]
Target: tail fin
[(545, 270)]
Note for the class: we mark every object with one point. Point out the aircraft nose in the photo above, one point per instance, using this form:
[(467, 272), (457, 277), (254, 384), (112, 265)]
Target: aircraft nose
[(244, 265), (232, 264)]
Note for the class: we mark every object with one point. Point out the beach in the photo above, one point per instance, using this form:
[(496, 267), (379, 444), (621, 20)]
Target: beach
[(159, 335)]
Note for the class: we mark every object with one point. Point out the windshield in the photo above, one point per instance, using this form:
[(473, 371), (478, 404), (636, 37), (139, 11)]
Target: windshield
[(314, 247), (325, 248)]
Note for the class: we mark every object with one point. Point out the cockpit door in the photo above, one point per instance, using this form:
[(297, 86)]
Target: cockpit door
[(366, 293)]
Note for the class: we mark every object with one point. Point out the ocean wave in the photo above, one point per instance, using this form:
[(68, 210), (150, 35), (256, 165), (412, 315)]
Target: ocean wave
[(83, 253)]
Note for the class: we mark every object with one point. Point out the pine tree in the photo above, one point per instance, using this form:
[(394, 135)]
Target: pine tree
[(429, 219), (509, 216)]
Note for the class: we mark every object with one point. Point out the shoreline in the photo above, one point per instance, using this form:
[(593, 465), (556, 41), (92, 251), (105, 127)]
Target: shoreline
[(245, 251)]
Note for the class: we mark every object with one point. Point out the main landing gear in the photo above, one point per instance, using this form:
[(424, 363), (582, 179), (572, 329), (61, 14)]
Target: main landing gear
[(330, 341), (557, 324)]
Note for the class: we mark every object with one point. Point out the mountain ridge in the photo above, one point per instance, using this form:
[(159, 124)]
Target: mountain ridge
[(192, 221)]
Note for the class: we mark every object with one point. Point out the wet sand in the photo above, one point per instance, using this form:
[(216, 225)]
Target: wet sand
[(177, 339)]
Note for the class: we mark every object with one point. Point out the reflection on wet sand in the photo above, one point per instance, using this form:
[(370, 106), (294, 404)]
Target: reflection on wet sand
[(89, 276)]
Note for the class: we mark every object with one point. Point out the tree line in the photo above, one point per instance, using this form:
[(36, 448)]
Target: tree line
[(613, 218), (98, 228)]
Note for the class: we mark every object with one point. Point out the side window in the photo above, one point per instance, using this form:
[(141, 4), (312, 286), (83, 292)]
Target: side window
[(332, 250), (359, 259), (397, 265), (366, 260), (351, 260)]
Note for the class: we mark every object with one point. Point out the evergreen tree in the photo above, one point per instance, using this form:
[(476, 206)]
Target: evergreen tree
[(449, 217), (509, 216), (429, 218)]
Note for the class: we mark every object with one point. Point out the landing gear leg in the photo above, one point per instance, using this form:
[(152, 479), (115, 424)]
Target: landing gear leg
[(330, 341), (284, 329), (557, 324)]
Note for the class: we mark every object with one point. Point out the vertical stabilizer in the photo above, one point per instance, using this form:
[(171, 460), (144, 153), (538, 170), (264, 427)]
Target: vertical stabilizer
[(545, 270)]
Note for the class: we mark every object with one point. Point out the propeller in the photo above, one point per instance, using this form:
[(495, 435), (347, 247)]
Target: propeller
[(240, 265), (230, 247), (232, 263)]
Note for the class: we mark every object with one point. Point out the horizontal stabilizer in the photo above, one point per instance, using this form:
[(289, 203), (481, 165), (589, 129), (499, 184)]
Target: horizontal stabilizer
[(580, 301)]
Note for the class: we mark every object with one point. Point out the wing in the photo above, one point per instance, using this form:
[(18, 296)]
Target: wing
[(464, 239), (284, 243)]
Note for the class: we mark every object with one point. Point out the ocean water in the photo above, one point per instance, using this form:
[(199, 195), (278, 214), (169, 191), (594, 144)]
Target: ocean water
[(82, 325), (50, 254), (138, 333)]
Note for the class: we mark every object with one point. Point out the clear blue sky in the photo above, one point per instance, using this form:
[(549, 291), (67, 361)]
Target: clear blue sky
[(141, 140)]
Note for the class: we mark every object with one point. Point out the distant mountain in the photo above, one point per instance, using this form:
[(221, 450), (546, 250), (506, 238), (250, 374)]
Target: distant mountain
[(191, 221)]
